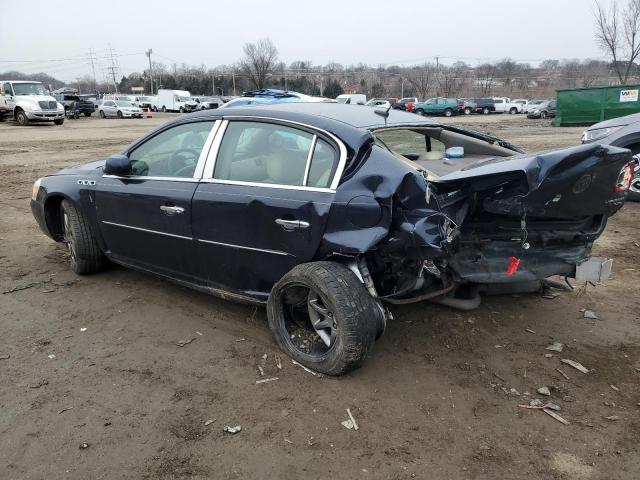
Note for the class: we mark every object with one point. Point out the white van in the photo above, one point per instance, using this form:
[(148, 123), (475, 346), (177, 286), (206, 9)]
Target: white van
[(352, 98), (175, 101)]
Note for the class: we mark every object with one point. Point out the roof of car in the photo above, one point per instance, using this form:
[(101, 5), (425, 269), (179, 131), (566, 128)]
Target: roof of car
[(357, 116)]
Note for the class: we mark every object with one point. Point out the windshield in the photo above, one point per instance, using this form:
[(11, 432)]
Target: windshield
[(343, 99), (29, 89), (120, 103), (143, 98), (184, 99)]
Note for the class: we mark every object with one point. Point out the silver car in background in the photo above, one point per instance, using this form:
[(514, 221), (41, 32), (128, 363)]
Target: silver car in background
[(120, 109)]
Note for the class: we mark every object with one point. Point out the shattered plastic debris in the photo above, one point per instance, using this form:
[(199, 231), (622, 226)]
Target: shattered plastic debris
[(83, 329), (613, 418), (65, 409), (233, 430), (590, 314), (613, 387), (544, 391), (51, 356), (306, 369), (555, 347), (40, 383), (351, 422), (182, 343), (265, 380), (553, 414), (5, 357), (576, 365), (551, 295), (208, 422), (84, 446), (278, 362)]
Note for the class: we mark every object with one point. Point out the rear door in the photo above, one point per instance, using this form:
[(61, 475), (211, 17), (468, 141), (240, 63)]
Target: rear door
[(263, 202), (145, 218)]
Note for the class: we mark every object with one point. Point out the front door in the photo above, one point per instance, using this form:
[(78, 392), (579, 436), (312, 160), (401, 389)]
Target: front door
[(262, 207), (145, 218)]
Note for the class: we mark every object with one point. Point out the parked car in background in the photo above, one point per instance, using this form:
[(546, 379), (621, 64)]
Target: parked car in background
[(483, 105), (326, 213), (6, 110), (505, 105), (205, 103), (268, 96), (31, 102), (532, 105), (120, 109), (620, 132), (144, 101), (91, 97), (437, 106), (466, 106), (69, 98), (378, 102), (521, 101), (546, 109), (352, 99), (403, 102)]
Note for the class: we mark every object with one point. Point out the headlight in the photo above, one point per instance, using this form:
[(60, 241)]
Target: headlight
[(33, 106), (36, 189), (598, 133)]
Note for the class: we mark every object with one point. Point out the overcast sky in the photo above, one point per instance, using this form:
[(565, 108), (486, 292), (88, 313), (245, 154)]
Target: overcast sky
[(55, 37)]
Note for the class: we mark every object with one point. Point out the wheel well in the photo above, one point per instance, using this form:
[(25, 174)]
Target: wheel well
[(634, 147), (52, 216), (16, 110)]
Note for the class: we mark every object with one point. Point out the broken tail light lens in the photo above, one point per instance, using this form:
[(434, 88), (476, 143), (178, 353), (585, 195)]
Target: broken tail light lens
[(625, 177)]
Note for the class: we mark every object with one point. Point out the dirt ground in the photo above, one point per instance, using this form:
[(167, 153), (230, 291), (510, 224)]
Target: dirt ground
[(94, 360)]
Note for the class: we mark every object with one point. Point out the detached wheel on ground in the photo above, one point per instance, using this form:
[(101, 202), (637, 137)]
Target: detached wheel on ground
[(322, 316), (85, 255)]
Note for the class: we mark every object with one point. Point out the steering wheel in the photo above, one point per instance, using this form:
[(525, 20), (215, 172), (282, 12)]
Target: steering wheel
[(182, 159)]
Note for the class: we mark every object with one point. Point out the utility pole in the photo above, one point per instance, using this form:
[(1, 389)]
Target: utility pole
[(92, 59), (401, 87), (233, 80), (213, 82), (113, 68), (149, 52)]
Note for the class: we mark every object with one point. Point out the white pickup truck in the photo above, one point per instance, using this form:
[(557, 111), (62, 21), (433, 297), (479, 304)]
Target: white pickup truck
[(31, 102), (505, 105)]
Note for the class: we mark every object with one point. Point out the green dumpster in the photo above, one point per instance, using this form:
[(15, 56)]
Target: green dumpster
[(586, 106)]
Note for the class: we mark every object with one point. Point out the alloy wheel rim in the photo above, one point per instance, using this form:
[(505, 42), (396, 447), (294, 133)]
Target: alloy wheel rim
[(322, 319), (68, 236)]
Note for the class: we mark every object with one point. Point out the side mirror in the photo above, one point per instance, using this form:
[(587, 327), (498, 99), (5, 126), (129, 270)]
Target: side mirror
[(117, 165)]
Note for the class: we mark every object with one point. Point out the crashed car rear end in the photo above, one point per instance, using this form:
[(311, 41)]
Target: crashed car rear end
[(330, 213)]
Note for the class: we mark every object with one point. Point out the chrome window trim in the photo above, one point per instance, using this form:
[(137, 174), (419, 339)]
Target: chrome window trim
[(211, 160), (144, 177), (267, 185), (213, 152), (131, 227), (242, 247), (305, 178), (204, 153)]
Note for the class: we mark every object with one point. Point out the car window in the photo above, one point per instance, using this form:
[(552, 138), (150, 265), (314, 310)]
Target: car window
[(273, 154), (324, 163), (408, 142), (171, 153)]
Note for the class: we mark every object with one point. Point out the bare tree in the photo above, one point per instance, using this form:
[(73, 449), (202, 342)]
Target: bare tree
[(259, 61), (422, 79), (618, 34), (485, 75), (451, 79)]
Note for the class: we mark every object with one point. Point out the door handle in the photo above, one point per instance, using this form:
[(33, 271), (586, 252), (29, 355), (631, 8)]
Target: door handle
[(171, 210), (291, 224)]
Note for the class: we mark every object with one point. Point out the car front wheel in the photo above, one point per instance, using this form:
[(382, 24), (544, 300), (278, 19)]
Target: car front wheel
[(119, 114), (85, 255), (419, 111), (102, 114), (448, 112), (485, 111), (322, 316), (22, 119)]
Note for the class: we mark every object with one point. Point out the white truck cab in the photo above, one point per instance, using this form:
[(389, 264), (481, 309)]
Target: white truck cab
[(352, 98), (31, 102)]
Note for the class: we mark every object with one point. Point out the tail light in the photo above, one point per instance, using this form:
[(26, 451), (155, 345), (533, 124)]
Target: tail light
[(626, 177)]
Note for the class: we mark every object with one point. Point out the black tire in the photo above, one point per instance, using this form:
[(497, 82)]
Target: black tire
[(164, 109), (467, 111), (349, 309), (119, 114), (155, 109), (59, 121), (87, 114), (486, 111), (21, 118), (102, 114), (419, 111), (543, 114), (448, 112), (181, 110), (85, 255), (513, 110)]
